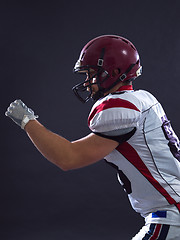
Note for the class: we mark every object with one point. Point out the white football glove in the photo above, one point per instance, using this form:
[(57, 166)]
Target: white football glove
[(20, 113)]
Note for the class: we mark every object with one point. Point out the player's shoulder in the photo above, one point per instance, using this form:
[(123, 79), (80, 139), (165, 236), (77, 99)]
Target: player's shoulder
[(146, 98), (115, 111), (127, 99)]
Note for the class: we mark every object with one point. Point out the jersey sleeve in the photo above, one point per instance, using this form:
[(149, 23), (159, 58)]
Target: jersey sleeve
[(111, 114)]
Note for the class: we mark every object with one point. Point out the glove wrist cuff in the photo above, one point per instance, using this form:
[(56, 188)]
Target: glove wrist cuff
[(26, 119)]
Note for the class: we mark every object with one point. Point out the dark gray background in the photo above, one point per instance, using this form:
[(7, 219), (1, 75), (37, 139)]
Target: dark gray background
[(40, 42)]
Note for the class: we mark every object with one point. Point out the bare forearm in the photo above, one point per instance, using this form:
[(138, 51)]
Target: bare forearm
[(52, 146)]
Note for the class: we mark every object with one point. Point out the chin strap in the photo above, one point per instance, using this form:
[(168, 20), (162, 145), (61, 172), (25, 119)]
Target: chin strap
[(124, 75), (101, 59)]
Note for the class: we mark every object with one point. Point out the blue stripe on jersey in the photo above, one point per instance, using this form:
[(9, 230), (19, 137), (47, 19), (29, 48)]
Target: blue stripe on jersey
[(159, 214)]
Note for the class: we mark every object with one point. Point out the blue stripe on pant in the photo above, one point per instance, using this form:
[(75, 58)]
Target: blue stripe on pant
[(163, 233), (150, 232)]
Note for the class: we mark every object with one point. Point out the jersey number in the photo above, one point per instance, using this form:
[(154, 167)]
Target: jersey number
[(170, 135)]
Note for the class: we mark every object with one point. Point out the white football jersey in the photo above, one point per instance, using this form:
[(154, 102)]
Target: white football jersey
[(148, 162)]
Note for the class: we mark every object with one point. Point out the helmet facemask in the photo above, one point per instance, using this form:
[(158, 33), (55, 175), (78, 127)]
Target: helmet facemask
[(84, 90)]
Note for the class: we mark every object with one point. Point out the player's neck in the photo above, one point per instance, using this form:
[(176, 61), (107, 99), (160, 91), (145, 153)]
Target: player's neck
[(120, 87), (125, 88)]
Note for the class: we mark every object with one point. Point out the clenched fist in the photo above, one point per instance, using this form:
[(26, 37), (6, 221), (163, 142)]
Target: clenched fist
[(20, 113)]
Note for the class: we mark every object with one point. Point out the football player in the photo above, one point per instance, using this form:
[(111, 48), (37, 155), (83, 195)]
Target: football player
[(129, 129)]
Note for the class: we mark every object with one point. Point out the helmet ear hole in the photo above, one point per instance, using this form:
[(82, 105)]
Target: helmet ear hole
[(119, 70), (116, 72)]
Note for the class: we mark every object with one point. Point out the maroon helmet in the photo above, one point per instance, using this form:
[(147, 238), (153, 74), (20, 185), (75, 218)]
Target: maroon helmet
[(104, 54)]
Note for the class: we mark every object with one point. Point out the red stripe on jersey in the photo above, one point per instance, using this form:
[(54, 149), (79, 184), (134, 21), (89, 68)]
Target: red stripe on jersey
[(112, 103), (132, 156), (178, 206), (156, 232)]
